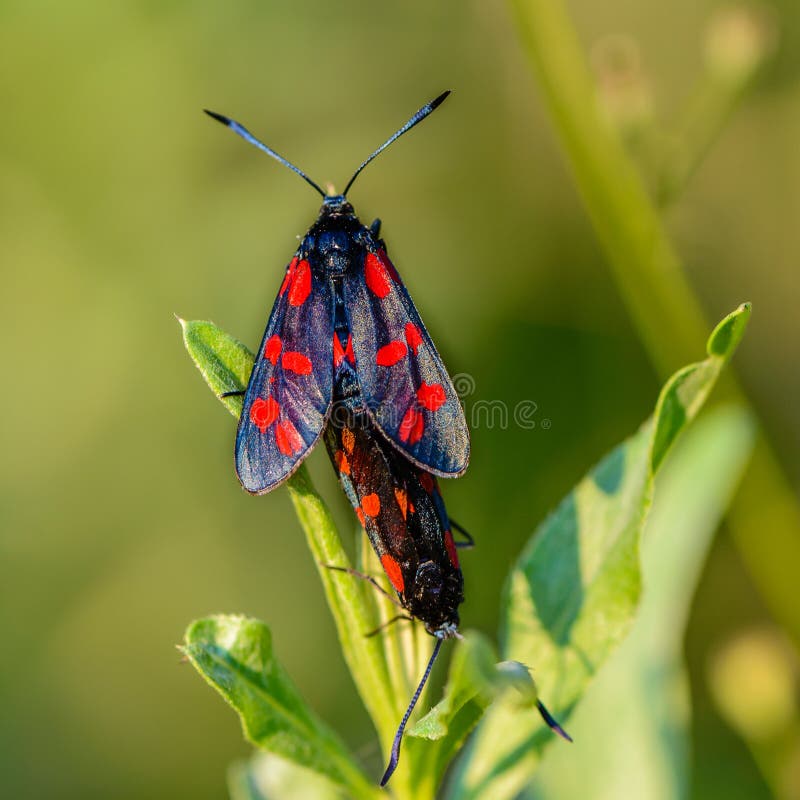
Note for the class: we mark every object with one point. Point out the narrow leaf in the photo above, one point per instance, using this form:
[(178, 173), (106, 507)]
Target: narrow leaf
[(223, 361), (234, 654)]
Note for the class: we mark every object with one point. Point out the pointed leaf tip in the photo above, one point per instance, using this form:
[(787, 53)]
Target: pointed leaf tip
[(726, 336), (235, 655)]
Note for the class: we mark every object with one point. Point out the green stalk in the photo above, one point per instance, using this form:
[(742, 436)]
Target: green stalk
[(765, 518)]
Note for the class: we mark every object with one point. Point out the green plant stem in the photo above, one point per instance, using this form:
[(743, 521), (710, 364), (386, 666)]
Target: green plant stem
[(765, 518)]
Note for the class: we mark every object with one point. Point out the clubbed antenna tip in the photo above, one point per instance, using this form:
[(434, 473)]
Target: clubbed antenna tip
[(217, 117), (439, 100), (415, 119), (248, 137)]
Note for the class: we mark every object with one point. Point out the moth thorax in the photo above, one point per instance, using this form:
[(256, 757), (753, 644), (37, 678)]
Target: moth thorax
[(334, 247)]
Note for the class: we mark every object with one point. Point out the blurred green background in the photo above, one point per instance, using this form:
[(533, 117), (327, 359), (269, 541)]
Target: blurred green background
[(122, 518)]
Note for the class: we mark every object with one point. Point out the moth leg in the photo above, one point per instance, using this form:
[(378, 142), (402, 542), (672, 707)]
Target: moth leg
[(375, 228), (237, 393), (356, 574), (465, 533), (387, 624)]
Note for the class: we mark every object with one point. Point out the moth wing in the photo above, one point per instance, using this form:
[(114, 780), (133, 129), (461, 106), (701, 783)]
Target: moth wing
[(289, 394), (405, 385)]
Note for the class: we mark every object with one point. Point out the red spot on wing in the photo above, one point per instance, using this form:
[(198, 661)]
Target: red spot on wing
[(264, 412), (296, 362), (272, 349), (451, 548), (427, 481), (412, 427), (430, 396), (376, 276), (360, 515), (287, 438), (339, 353), (371, 504), (348, 351), (289, 274), (402, 501), (388, 264), (300, 287), (342, 463), (348, 440), (393, 571), (391, 353), (413, 337)]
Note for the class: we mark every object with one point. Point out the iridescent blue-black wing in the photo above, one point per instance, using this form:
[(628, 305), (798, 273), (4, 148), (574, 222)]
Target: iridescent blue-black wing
[(289, 394), (405, 385)]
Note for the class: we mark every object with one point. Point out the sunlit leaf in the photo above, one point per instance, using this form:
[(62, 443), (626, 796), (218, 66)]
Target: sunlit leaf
[(631, 729), (234, 654), (473, 682), (223, 361), (470, 679)]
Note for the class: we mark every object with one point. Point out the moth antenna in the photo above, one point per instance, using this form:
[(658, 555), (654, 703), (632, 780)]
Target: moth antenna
[(398, 737), (418, 117), (248, 137)]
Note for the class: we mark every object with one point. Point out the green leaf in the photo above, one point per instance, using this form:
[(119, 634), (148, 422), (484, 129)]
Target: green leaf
[(473, 682), (226, 363), (687, 390), (631, 728), (470, 679), (234, 654), (726, 336), (223, 361), (442, 731), (572, 595)]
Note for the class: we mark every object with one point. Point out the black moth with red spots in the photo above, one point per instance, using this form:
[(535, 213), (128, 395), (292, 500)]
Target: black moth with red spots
[(341, 270), (400, 507), (345, 337)]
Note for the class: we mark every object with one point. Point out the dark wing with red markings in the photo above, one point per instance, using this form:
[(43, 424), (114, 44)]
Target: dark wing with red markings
[(373, 475), (289, 394), (405, 385)]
